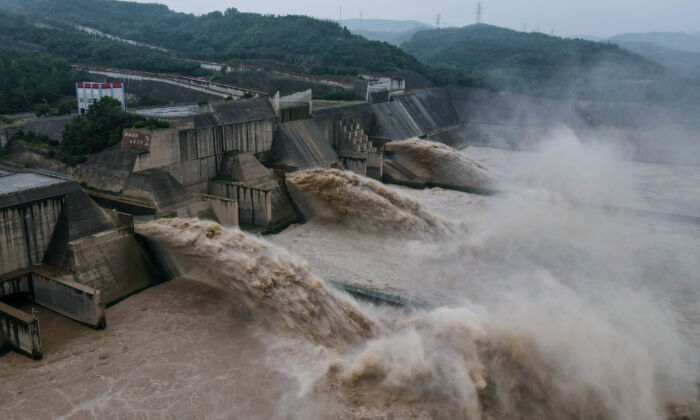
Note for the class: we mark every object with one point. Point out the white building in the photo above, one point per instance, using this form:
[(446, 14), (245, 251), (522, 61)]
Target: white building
[(89, 93)]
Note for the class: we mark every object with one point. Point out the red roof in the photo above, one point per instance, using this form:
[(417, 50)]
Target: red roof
[(89, 85)]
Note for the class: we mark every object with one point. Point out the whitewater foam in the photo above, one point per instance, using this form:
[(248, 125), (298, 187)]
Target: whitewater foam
[(441, 164), (269, 282), (363, 203)]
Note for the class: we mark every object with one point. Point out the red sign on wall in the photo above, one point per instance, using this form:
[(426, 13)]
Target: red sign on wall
[(136, 139)]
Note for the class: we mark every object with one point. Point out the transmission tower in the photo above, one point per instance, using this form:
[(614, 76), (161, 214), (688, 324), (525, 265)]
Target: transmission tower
[(340, 13), (437, 21), (479, 10)]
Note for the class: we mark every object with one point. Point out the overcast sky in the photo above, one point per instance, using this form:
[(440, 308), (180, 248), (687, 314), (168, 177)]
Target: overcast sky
[(564, 17)]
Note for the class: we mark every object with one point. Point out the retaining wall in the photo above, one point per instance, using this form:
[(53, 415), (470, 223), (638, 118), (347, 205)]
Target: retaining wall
[(254, 204), (21, 330), (68, 298), (225, 209)]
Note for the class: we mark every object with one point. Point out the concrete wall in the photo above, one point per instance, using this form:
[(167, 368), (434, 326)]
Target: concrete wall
[(68, 298), (20, 330), (300, 144), (157, 187), (375, 163), (357, 165), (54, 288), (6, 134), (254, 204), (326, 117), (111, 262), (394, 122), (26, 231), (225, 209), (194, 156), (16, 282), (432, 109)]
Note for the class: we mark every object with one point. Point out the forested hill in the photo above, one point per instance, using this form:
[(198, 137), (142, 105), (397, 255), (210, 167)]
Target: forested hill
[(536, 63), (20, 32), (320, 46)]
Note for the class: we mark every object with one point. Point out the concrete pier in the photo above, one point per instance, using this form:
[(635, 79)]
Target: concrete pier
[(21, 330), (54, 288)]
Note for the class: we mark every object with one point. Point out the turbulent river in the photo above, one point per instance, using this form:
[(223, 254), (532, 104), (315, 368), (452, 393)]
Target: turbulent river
[(551, 299)]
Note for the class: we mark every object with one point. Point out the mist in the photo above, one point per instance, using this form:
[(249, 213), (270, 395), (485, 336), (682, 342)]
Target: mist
[(540, 302), (570, 18)]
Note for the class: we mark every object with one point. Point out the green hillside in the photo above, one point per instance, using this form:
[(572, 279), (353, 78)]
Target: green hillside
[(684, 63), (534, 62), (48, 82), (62, 41), (394, 32), (315, 44), (35, 70), (384, 25)]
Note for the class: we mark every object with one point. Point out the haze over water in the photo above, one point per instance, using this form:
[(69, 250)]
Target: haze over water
[(540, 303)]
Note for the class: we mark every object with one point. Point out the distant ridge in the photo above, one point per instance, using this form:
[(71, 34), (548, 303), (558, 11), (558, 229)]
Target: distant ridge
[(535, 62), (394, 32), (384, 25), (679, 41)]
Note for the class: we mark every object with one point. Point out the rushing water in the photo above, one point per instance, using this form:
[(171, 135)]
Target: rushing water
[(543, 304)]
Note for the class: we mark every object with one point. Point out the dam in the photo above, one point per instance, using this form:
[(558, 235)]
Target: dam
[(262, 216), (67, 242), (61, 251), (273, 320)]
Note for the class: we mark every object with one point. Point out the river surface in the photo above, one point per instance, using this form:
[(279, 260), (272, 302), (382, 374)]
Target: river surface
[(597, 307)]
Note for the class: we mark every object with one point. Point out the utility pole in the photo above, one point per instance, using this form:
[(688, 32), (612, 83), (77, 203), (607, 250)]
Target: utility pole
[(360, 18), (437, 21), (479, 9), (525, 27), (340, 13)]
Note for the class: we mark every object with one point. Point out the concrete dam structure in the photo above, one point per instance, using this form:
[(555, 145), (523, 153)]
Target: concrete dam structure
[(61, 251), (228, 162)]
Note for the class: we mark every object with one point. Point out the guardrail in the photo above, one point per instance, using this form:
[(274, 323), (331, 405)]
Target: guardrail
[(218, 88)]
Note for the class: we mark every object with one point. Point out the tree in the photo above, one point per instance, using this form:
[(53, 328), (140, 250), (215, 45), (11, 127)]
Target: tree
[(101, 127), (42, 109)]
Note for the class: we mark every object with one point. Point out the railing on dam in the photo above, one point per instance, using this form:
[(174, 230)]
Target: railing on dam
[(208, 86)]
